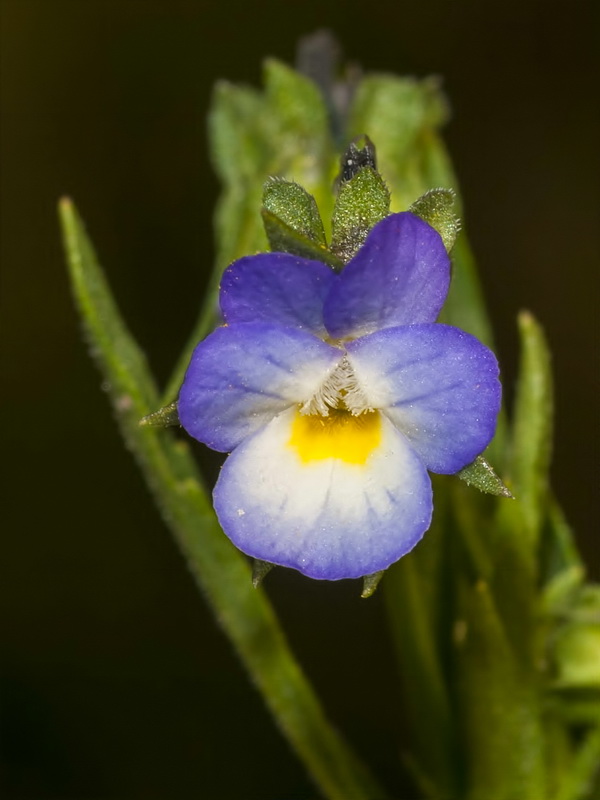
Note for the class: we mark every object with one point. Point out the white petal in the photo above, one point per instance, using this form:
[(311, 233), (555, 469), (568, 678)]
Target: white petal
[(327, 517)]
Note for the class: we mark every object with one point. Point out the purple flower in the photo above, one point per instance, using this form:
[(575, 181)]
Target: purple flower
[(334, 394)]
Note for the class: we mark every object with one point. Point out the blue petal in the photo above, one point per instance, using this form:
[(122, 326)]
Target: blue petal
[(327, 518), (241, 376), (437, 384), (400, 276), (278, 288)]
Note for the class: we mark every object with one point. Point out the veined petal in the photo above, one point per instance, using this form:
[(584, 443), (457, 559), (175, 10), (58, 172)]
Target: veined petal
[(400, 276), (241, 376), (438, 385), (278, 288), (288, 500)]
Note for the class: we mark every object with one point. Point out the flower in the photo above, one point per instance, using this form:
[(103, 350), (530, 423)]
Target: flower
[(334, 394)]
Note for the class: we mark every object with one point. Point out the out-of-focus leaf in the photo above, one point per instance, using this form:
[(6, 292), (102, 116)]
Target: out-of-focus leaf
[(361, 203), (219, 569), (436, 207), (394, 113), (481, 475), (499, 705), (532, 430), (434, 744), (578, 782), (283, 132), (576, 654)]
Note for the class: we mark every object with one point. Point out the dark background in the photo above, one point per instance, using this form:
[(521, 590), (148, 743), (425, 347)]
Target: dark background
[(117, 682)]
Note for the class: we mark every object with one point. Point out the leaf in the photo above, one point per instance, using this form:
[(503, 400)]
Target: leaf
[(481, 475), (394, 113), (281, 131), (220, 570), (499, 704), (434, 745), (284, 239), (531, 439), (293, 223), (436, 207), (294, 206), (361, 203)]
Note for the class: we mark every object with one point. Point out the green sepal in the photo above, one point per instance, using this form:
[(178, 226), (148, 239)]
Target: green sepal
[(362, 202), (260, 569), (481, 475), (436, 207), (370, 583), (294, 206), (284, 239), (165, 417)]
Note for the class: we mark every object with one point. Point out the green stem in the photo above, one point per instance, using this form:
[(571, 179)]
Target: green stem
[(218, 568)]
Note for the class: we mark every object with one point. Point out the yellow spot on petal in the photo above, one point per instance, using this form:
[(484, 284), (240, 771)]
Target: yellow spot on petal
[(340, 435)]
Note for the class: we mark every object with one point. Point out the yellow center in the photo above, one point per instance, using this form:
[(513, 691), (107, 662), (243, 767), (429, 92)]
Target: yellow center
[(340, 435)]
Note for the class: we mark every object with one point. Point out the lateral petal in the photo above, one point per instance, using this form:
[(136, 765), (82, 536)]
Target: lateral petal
[(241, 376), (400, 276), (438, 385), (278, 288), (328, 517)]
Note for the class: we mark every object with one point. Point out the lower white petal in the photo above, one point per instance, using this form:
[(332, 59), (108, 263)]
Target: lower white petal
[(328, 517)]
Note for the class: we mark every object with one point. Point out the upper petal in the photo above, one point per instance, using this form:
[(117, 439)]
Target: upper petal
[(241, 376), (400, 276), (278, 288), (329, 518), (438, 385)]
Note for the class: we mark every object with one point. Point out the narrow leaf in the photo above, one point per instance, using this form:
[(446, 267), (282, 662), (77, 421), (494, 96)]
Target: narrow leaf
[(532, 428)]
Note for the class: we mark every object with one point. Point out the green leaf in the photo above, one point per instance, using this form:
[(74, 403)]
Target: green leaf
[(499, 704), (294, 206), (436, 207), (576, 653), (218, 568), (427, 704), (361, 203), (293, 223), (284, 239), (282, 131), (481, 475), (395, 113), (583, 771), (531, 440)]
